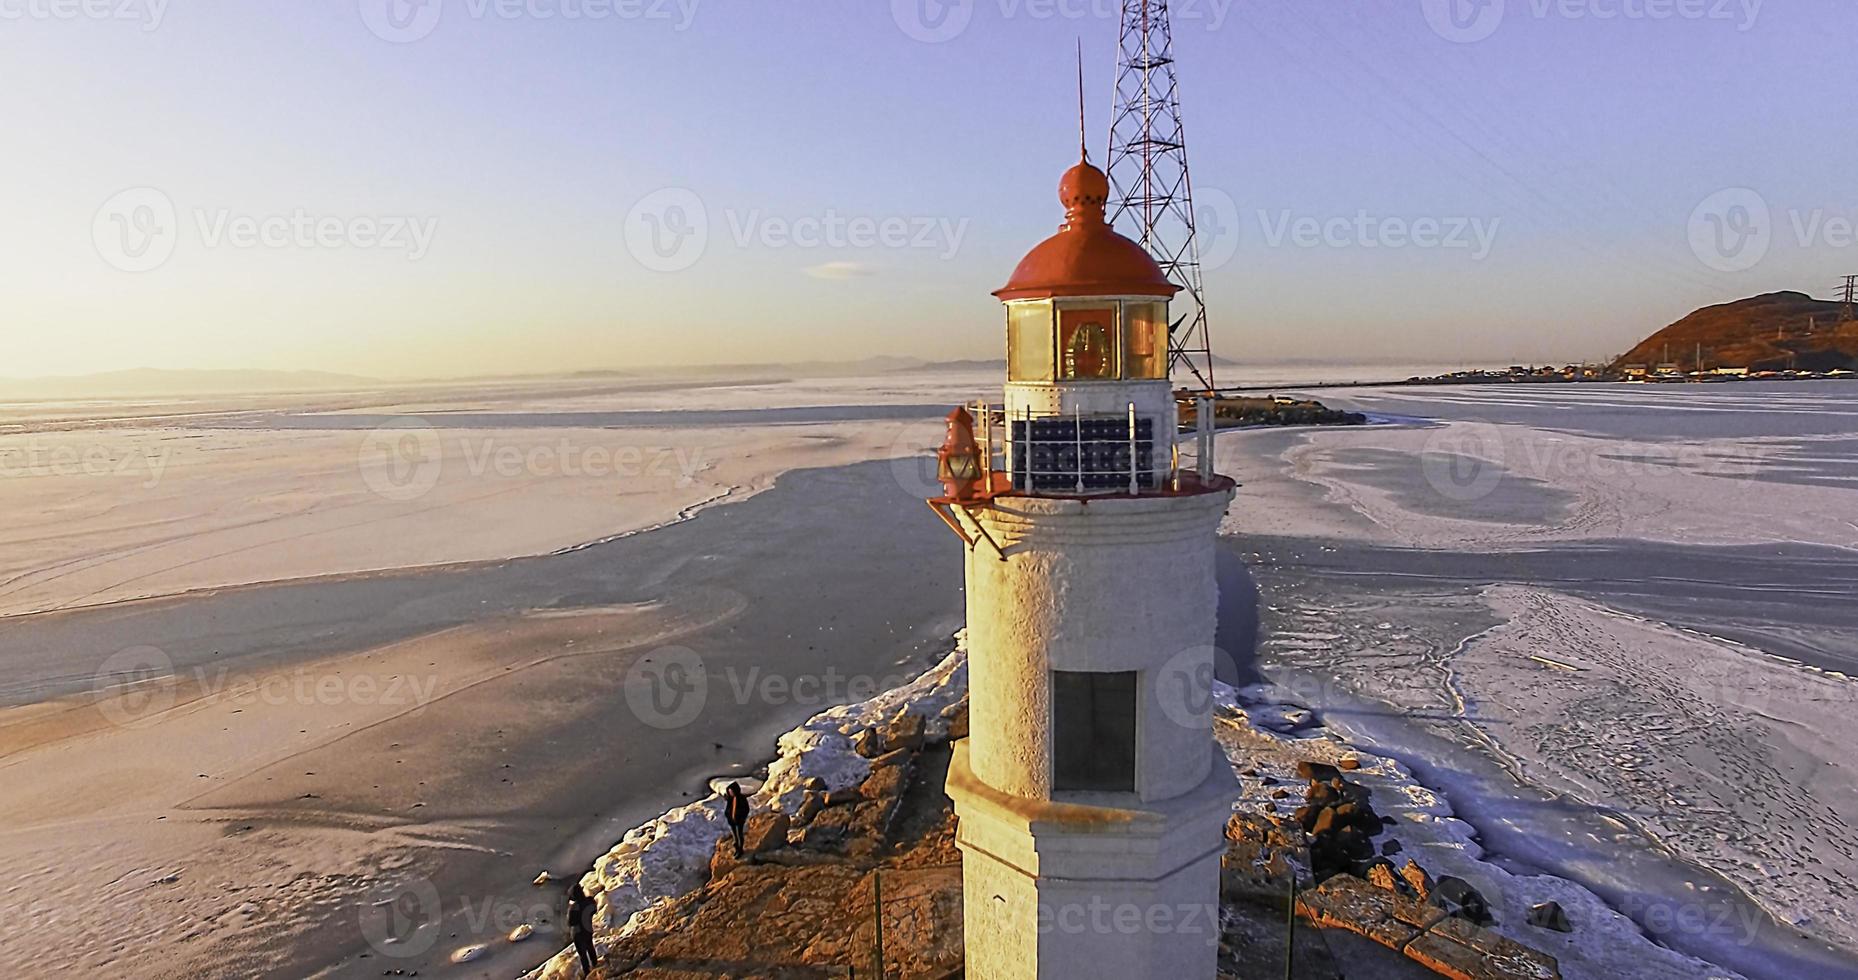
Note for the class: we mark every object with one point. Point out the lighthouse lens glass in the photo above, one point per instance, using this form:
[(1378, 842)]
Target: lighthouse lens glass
[(1029, 342), (1145, 349), (1087, 343)]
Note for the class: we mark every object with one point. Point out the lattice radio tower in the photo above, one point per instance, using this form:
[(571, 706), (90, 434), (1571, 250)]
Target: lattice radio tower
[(1149, 182), (1851, 293)]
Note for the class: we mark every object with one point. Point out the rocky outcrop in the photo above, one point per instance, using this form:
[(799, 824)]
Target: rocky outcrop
[(1551, 916), (1425, 933), (1340, 821), (802, 901), (1329, 842)]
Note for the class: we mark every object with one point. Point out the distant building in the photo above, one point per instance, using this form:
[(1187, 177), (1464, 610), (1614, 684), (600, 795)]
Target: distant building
[(1636, 370)]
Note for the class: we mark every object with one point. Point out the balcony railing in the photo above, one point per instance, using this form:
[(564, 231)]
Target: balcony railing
[(1091, 454)]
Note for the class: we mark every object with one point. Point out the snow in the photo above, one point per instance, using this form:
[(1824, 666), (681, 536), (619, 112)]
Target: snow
[(1605, 945), (670, 856)]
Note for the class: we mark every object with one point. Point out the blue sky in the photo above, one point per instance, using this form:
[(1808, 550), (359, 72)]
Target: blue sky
[(464, 195)]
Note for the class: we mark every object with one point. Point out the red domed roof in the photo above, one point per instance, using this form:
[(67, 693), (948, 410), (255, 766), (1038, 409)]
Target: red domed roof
[(1087, 257)]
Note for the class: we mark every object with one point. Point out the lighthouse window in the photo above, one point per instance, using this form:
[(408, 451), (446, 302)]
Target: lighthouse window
[(1087, 343), (1029, 342), (1145, 348), (1093, 731)]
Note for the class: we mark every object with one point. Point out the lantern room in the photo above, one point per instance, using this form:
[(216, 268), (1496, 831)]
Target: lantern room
[(1089, 405), (1090, 339)]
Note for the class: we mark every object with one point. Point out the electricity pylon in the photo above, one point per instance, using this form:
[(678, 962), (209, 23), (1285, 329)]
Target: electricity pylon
[(1149, 184)]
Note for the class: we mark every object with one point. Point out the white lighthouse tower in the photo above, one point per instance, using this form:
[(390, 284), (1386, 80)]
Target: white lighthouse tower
[(1090, 795)]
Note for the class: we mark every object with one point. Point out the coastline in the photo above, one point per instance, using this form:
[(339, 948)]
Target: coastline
[(1262, 737), (1647, 775), (561, 637)]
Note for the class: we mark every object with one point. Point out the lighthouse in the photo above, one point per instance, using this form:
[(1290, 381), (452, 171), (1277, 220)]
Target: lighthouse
[(1090, 795)]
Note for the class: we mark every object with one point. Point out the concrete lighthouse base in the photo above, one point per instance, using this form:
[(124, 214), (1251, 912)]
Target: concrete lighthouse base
[(1077, 890), (1089, 801)]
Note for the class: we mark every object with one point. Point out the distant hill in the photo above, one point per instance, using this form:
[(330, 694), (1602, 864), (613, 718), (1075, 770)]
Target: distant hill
[(1771, 332), (152, 382)]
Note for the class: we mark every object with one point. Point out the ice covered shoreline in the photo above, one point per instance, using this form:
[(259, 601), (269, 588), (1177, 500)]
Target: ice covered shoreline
[(1264, 739), (1593, 590)]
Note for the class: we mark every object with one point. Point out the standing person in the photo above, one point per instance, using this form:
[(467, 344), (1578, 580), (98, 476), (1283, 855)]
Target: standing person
[(737, 814), (581, 908)]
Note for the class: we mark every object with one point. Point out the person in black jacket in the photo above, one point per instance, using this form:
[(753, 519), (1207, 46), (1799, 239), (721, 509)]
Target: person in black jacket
[(581, 909), (736, 812)]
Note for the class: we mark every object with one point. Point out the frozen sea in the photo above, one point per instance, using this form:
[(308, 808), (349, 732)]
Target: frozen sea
[(1615, 624)]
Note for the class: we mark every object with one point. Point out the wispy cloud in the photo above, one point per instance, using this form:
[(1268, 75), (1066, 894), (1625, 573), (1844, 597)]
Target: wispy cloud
[(841, 270)]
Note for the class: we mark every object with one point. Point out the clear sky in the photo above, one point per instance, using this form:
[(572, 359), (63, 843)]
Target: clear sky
[(484, 188)]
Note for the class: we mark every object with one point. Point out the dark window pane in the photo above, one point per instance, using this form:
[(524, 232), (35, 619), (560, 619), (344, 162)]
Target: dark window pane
[(1093, 731)]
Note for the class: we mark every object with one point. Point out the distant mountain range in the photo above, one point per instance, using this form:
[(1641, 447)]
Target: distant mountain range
[(1770, 332), (154, 382), (169, 384)]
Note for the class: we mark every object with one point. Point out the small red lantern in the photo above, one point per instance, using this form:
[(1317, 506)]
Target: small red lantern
[(958, 462)]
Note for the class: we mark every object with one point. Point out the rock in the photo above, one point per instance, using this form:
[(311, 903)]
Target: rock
[(1317, 771), (810, 805), (1280, 794), (895, 757), (521, 932), (868, 743), (840, 797), (1417, 879), (957, 720), (814, 784), (465, 954), (1381, 874), (766, 832), (885, 782), (1350, 764), (1550, 915), (1458, 898), (541, 879), (905, 731), (723, 859), (1325, 821), (1390, 848)]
